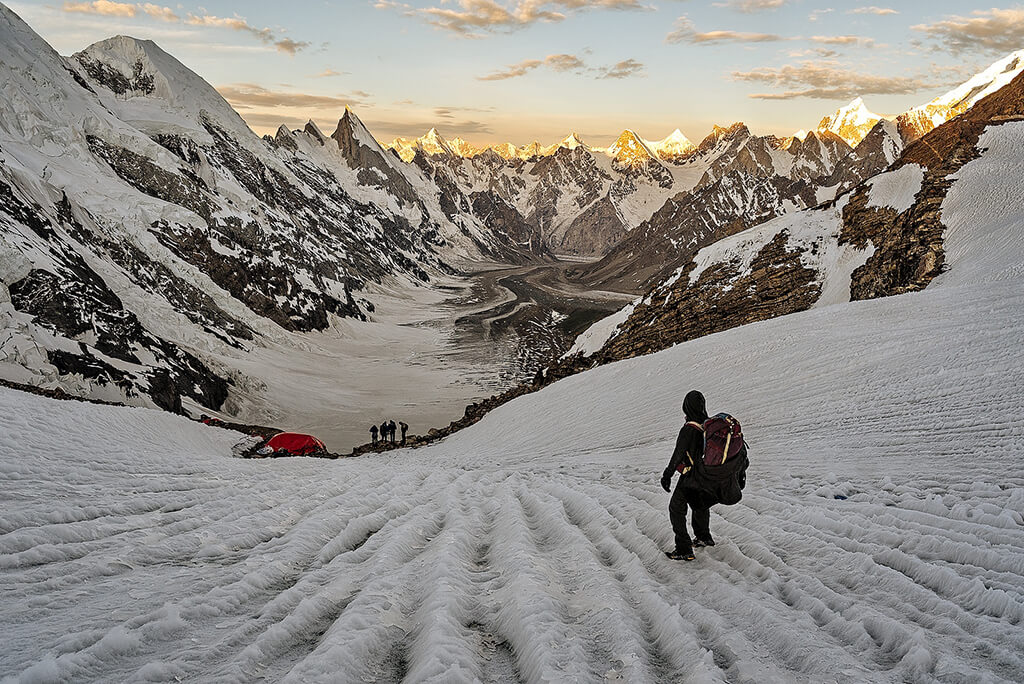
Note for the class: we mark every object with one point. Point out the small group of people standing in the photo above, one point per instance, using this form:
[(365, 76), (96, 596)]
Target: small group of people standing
[(387, 430)]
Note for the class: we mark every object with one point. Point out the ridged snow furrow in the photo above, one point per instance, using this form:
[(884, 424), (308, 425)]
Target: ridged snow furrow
[(880, 537)]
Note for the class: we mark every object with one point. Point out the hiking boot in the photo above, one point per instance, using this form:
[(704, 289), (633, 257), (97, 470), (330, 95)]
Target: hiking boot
[(703, 542), (685, 554)]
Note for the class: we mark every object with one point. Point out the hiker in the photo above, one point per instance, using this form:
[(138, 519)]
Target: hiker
[(405, 428), (373, 434), (701, 486), (392, 428), (384, 431)]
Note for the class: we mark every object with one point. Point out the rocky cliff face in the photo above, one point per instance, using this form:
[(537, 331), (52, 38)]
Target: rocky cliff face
[(884, 237), (146, 231), (746, 180)]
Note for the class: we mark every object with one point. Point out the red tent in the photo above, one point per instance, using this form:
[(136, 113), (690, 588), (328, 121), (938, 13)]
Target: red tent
[(294, 444)]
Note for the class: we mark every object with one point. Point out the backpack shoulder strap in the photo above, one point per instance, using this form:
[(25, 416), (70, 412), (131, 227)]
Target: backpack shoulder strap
[(695, 424)]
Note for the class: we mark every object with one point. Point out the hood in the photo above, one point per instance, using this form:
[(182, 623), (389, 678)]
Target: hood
[(694, 407)]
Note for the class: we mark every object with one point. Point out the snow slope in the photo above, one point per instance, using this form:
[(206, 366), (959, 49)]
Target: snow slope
[(529, 547)]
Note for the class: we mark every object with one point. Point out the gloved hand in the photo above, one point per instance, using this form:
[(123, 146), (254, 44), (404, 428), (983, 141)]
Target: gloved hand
[(666, 481)]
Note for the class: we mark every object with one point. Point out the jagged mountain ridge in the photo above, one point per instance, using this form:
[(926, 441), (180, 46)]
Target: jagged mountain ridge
[(202, 236), (148, 232), (888, 235), (751, 179), (588, 206), (851, 123)]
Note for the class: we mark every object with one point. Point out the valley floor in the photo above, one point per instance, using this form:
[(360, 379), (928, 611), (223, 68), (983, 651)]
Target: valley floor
[(426, 355), (881, 537)]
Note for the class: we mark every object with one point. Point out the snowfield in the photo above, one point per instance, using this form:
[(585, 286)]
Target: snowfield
[(880, 538)]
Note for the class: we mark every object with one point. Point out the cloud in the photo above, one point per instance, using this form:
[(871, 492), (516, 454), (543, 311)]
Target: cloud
[(843, 40), (685, 31), (236, 23), (751, 6), (881, 11), (824, 53), (110, 8), (161, 13), (828, 81), (566, 63), (384, 129), (449, 113), (513, 70), (251, 95), (104, 7), (994, 30), (624, 69), (290, 46), (474, 18), (818, 13), (561, 63), (329, 73)]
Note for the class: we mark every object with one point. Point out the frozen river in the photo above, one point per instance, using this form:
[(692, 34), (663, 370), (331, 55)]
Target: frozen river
[(422, 359)]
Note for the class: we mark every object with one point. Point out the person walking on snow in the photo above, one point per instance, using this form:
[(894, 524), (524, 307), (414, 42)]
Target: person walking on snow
[(373, 434), (384, 431), (405, 428), (711, 454), (392, 429), (689, 449)]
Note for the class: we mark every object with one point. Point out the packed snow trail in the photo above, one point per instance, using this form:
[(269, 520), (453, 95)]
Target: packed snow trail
[(529, 548)]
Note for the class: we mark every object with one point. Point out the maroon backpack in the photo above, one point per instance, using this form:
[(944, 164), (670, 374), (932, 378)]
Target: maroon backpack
[(723, 438)]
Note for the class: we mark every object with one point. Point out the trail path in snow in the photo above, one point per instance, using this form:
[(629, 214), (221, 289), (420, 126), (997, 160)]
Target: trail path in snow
[(530, 547)]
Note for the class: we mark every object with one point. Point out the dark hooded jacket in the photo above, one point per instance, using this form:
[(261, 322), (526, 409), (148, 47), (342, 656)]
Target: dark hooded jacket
[(705, 486), (690, 442)]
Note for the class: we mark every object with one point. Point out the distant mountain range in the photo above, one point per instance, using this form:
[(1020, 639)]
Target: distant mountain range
[(150, 241), (949, 207)]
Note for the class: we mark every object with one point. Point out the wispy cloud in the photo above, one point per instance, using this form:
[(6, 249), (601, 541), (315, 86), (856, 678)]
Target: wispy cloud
[(388, 129), (881, 11), (843, 40), (250, 95), (475, 18), (566, 63), (102, 7), (109, 8), (818, 13), (994, 30), (513, 70), (330, 73), (450, 113), (824, 53), (161, 13), (751, 6), (624, 69), (236, 23), (685, 31), (828, 81)]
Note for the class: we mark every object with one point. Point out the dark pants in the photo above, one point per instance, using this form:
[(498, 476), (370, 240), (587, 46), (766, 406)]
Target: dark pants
[(701, 520)]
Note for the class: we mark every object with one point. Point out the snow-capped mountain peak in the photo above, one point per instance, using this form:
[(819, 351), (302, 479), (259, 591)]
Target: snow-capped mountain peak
[(630, 151), (569, 142), (673, 148), (351, 126), (920, 120), (463, 149), (434, 143), (851, 123), (155, 92)]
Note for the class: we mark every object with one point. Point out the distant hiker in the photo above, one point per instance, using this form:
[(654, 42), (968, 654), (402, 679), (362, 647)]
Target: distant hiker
[(392, 428), (373, 433), (405, 428), (712, 458), (384, 431)]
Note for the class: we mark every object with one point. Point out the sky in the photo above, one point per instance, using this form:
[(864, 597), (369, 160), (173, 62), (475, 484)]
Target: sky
[(493, 71)]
